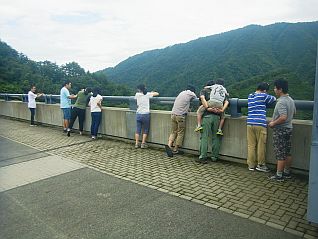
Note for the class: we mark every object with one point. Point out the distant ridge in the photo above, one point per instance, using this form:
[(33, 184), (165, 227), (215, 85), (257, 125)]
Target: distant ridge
[(242, 56)]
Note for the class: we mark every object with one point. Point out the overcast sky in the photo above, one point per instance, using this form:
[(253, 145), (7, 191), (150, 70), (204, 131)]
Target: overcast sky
[(101, 33)]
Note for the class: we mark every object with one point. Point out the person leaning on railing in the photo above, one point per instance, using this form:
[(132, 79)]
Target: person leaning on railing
[(65, 103), (31, 102), (143, 114), (79, 109), (178, 120), (95, 104)]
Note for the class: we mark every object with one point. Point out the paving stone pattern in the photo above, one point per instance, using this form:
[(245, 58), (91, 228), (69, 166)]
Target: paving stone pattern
[(221, 185)]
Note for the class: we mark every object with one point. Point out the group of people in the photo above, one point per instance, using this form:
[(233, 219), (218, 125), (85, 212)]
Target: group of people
[(210, 120), (84, 97), (281, 124), (210, 117)]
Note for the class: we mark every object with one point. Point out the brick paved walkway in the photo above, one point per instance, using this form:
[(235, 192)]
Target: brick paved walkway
[(225, 186)]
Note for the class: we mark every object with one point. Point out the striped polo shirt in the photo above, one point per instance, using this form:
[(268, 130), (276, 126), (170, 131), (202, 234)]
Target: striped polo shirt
[(257, 103)]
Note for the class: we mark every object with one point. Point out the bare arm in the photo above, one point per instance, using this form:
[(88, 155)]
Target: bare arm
[(72, 96), (154, 93), (280, 120), (214, 110)]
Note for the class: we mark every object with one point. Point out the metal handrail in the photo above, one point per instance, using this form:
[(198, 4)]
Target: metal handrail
[(236, 104)]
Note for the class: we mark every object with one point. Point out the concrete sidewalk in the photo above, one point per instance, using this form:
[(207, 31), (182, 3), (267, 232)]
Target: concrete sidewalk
[(227, 187)]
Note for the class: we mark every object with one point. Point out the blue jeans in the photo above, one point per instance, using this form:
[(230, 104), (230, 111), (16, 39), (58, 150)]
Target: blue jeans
[(96, 118), (32, 115), (143, 122)]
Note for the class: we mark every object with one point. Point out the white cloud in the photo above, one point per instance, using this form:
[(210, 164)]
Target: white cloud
[(101, 33)]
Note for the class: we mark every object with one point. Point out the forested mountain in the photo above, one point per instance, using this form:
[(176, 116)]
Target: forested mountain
[(243, 57), (17, 73)]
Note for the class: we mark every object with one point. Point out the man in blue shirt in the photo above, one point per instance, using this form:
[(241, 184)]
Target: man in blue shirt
[(257, 127), (65, 103)]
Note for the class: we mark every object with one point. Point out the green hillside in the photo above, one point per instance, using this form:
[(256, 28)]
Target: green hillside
[(242, 57), (18, 72)]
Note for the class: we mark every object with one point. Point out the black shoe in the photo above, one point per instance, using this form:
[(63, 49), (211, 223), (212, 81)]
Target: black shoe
[(178, 152), (168, 151), (68, 133), (277, 178), (202, 161)]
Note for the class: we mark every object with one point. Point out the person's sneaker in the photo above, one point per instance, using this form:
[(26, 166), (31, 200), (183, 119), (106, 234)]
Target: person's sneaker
[(220, 132), (251, 168), (213, 159), (144, 146), (287, 175), (136, 146), (68, 133), (202, 161), (198, 129), (178, 152), (93, 137), (277, 178), (64, 130), (32, 125), (262, 168), (81, 133), (168, 151)]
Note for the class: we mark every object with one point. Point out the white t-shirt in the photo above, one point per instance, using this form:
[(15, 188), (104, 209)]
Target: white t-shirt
[(218, 93), (93, 103), (143, 102), (31, 100)]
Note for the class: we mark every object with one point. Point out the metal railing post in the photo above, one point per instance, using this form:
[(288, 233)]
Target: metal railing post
[(132, 103), (24, 98), (235, 109)]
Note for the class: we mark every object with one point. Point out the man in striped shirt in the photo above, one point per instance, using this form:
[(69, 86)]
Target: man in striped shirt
[(257, 127)]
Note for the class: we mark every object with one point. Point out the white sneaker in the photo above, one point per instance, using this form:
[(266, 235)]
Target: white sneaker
[(262, 168), (144, 146)]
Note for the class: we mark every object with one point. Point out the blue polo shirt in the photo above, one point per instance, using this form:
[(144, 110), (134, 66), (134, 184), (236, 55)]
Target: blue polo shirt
[(65, 102)]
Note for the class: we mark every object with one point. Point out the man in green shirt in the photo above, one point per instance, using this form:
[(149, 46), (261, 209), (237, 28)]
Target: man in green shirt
[(79, 109)]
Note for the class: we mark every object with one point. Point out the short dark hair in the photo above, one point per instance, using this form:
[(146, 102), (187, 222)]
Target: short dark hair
[(191, 88), (281, 84), (209, 83), (142, 88), (219, 81), (66, 82), (263, 86), (87, 90), (33, 85), (96, 91)]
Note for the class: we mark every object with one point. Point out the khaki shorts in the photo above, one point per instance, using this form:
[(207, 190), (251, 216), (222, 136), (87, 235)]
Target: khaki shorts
[(211, 104)]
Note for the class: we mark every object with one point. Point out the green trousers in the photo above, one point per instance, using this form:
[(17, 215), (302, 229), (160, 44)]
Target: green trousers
[(210, 125)]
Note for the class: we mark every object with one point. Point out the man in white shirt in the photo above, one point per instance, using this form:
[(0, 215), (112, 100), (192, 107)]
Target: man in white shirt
[(31, 102)]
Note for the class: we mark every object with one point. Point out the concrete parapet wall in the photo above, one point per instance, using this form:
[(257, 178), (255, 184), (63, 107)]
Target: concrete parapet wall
[(120, 122)]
